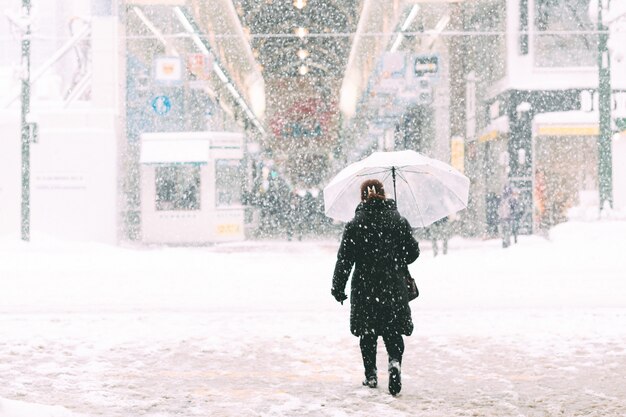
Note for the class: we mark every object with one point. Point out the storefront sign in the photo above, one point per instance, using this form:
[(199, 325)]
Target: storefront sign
[(487, 136), (589, 101), (168, 70), (393, 72), (161, 105), (60, 181), (457, 153), (200, 66), (426, 65), (568, 130), (228, 229)]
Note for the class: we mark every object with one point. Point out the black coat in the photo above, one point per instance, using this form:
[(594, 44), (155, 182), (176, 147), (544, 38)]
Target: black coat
[(380, 243)]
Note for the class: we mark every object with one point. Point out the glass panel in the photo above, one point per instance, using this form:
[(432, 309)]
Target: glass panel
[(486, 52), (523, 27), (567, 49), (228, 183), (178, 187)]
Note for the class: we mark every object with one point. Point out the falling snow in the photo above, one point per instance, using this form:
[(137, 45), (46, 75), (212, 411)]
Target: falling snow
[(176, 178)]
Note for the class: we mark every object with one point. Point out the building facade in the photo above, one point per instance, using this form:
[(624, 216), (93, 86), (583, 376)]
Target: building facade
[(530, 95)]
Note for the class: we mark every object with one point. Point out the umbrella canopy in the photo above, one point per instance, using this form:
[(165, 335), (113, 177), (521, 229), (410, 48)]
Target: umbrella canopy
[(425, 189)]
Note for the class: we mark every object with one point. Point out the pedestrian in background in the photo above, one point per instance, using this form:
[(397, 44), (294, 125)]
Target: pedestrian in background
[(517, 211), (439, 231), (378, 242), (505, 214)]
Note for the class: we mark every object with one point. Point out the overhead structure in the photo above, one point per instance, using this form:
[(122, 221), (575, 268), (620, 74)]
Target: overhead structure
[(287, 35), (386, 26), (226, 35), (376, 17), (183, 30), (302, 48)]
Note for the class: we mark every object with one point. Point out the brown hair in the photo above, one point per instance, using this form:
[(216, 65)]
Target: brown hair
[(371, 189)]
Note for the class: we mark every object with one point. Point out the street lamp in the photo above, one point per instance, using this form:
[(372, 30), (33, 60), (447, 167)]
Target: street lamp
[(26, 129)]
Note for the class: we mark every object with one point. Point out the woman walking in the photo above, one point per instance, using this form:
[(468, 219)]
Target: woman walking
[(379, 243)]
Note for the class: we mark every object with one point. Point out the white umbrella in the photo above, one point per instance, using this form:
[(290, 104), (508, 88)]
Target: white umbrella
[(425, 189)]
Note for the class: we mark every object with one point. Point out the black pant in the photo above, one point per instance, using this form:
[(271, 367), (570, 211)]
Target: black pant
[(368, 343)]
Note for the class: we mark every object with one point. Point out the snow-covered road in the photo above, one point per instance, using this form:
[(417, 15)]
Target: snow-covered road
[(250, 329)]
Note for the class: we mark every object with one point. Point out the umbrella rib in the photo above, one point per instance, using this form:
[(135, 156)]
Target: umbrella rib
[(373, 173), (438, 179), (348, 183), (414, 172), (414, 198), (451, 191)]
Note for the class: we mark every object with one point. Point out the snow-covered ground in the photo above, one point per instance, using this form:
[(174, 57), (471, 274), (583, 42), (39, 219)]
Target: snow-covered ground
[(250, 329)]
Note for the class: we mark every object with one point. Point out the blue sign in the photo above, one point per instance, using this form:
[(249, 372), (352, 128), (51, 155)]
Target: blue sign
[(161, 105)]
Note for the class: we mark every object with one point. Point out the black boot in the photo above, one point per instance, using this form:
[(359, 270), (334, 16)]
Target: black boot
[(371, 381), (395, 382), (368, 350)]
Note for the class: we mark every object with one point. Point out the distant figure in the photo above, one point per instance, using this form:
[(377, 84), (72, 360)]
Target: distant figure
[(307, 211), (505, 215), (296, 217), (378, 242), (540, 195), (517, 211), (439, 231)]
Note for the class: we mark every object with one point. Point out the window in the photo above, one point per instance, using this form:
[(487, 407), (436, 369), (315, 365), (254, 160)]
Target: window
[(523, 27), (178, 187), (567, 49), (228, 183), (486, 54)]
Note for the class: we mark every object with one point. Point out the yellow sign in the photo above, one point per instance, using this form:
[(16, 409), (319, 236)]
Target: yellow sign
[(457, 153), (568, 130), (168, 69), (491, 135), (227, 229)]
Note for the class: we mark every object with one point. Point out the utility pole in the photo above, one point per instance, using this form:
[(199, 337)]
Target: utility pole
[(26, 129), (605, 167)]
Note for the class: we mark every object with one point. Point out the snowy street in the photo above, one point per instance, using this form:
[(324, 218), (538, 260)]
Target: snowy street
[(176, 176), (250, 329)]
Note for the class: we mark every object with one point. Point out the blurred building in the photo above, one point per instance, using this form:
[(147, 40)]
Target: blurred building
[(174, 120), (195, 105), (396, 88), (104, 73), (526, 96), (75, 119)]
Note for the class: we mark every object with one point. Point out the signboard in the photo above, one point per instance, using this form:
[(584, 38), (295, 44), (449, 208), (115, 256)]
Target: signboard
[(200, 66), (589, 101), (392, 72), (228, 229), (419, 92), (161, 105), (60, 181), (168, 70), (401, 80), (457, 153), (425, 65)]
